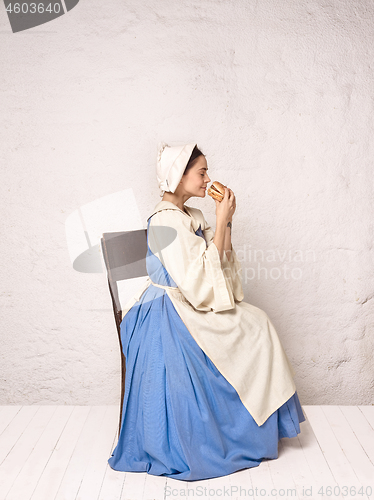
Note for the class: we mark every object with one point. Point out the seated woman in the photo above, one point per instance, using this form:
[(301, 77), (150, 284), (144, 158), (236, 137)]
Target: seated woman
[(209, 389)]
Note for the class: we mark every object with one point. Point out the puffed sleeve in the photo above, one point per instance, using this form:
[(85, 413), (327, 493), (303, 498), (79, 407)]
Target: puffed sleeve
[(195, 268), (231, 267)]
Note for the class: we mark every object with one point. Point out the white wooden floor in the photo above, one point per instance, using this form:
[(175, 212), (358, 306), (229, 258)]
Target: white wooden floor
[(61, 453)]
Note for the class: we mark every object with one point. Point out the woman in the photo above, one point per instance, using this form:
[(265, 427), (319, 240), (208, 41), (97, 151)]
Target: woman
[(209, 389)]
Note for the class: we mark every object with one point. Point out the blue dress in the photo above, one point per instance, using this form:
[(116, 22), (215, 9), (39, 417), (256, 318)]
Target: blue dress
[(181, 418)]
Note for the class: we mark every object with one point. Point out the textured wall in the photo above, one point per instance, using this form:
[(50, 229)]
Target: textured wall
[(278, 95)]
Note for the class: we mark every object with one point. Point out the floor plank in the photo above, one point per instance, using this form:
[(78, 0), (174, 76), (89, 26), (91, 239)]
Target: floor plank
[(16, 459), (36, 462), (321, 472), (294, 455), (338, 462), (282, 479), (241, 482), (218, 486), (14, 430), (350, 446), (261, 479), (368, 411), (134, 486), (55, 469), (361, 428), (95, 471), (79, 461), (7, 415), (154, 487), (61, 453), (113, 482)]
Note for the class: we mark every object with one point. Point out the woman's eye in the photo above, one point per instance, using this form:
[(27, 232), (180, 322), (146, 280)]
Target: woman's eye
[(202, 174)]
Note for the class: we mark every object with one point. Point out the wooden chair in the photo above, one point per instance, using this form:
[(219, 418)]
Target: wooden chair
[(125, 257)]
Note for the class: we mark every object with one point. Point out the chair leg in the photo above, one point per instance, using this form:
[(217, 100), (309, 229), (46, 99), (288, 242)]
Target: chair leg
[(123, 370), (118, 320)]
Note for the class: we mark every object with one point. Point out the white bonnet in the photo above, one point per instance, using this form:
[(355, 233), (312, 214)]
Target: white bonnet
[(171, 163)]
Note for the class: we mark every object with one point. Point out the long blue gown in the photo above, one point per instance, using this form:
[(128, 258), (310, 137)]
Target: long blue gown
[(181, 418)]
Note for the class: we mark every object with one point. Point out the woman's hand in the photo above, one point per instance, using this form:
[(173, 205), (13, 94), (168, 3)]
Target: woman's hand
[(226, 208), (233, 203)]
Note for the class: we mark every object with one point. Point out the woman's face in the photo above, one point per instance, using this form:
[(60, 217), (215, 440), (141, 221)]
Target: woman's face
[(196, 180)]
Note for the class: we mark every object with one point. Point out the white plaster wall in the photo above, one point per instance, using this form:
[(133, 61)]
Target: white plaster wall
[(278, 95)]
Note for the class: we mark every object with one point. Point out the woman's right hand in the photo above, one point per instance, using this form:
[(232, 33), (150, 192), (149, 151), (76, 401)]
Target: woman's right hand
[(225, 208)]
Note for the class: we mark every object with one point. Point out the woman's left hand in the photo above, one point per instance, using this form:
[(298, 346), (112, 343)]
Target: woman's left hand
[(233, 205)]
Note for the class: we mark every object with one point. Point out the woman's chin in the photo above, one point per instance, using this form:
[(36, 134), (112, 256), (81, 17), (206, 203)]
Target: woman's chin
[(200, 193)]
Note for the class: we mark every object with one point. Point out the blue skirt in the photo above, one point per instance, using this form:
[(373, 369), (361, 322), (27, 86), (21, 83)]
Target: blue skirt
[(181, 418)]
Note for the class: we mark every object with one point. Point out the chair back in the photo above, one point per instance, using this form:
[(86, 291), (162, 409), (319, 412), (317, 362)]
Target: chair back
[(125, 257)]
